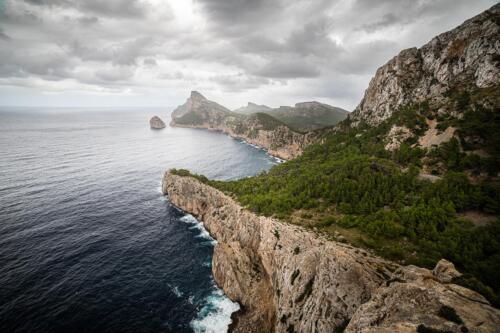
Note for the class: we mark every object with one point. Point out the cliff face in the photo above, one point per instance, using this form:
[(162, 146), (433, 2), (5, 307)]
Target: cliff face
[(259, 129), (288, 279), (465, 58)]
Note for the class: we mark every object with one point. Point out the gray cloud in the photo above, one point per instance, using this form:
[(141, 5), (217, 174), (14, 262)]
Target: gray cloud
[(239, 82), (114, 8), (274, 50), (3, 35), (240, 16), (119, 53), (288, 69), (115, 73), (88, 20)]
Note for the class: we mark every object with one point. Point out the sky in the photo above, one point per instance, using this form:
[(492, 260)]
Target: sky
[(154, 52)]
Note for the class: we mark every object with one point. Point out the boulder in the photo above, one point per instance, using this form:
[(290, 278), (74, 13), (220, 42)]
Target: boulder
[(156, 123)]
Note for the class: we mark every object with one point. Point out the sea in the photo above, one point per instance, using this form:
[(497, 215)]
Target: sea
[(88, 243)]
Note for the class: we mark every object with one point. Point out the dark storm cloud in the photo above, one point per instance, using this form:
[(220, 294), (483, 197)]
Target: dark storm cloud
[(397, 13), (119, 53), (239, 82), (322, 48), (49, 65), (385, 21), (114, 8), (240, 16), (88, 20), (288, 69), (313, 38)]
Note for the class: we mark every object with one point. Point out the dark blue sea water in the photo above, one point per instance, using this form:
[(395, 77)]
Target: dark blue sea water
[(87, 241)]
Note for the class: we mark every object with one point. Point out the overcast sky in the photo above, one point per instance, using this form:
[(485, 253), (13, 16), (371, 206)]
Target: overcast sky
[(154, 52)]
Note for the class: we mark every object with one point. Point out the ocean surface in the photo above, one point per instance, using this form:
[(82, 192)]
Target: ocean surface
[(87, 241)]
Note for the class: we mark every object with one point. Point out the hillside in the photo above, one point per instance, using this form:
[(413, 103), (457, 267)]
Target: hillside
[(305, 116), (252, 108), (406, 173), (308, 116)]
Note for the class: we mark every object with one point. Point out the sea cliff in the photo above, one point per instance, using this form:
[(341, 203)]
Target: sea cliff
[(289, 279)]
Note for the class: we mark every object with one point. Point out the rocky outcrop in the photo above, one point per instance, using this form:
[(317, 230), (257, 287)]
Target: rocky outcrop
[(198, 111), (156, 123), (464, 58), (396, 136), (288, 279), (433, 137), (259, 129), (415, 300)]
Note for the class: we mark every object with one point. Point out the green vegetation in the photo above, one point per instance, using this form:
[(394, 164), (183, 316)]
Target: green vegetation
[(374, 198), (478, 148), (190, 118), (268, 122), (306, 121)]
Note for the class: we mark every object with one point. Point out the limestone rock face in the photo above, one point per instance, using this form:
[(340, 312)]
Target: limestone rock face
[(397, 135), (445, 271), (465, 57), (198, 111), (156, 123), (420, 300), (259, 129), (288, 279)]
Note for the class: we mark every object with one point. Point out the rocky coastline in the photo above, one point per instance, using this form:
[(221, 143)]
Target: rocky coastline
[(258, 129), (289, 279)]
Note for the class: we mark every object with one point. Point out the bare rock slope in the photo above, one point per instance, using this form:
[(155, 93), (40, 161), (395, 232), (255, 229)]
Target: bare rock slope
[(464, 58), (288, 279)]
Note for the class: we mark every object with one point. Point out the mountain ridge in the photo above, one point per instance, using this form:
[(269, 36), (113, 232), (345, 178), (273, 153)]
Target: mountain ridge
[(304, 116)]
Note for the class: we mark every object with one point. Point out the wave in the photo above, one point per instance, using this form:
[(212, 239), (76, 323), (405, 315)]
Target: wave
[(159, 189), (197, 225), (175, 290), (215, 314), (273, 158)]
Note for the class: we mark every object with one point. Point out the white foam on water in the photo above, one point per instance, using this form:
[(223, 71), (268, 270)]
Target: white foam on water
[(175, 290), (276, 159), (159, 188), (188, 218), (215, 314)]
